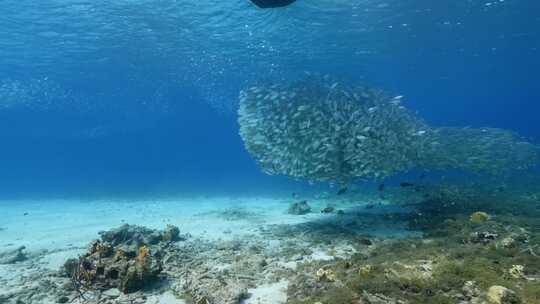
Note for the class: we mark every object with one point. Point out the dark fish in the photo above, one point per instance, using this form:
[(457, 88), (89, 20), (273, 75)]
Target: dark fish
[(327, 210), (381, 187), (342, 191), (406, 184), (365, 241), (272, 3)]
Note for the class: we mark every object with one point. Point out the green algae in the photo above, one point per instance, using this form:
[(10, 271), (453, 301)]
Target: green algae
[(452, 252)]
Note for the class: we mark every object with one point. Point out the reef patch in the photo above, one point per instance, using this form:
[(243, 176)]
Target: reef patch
[(128, 258)]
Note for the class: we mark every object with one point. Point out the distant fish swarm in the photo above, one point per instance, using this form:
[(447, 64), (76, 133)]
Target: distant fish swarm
[(486, 150), (322, 130)]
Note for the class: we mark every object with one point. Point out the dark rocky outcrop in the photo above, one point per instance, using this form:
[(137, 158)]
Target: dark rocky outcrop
[(128, 258)]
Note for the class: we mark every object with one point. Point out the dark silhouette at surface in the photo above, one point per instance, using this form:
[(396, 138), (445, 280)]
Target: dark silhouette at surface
[(272, 3)]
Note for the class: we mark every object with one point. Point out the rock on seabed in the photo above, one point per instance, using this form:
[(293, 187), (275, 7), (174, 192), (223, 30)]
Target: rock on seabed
[(13, 256)]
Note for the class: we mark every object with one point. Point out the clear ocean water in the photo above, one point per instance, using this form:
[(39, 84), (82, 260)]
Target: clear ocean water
[(124, 96), (126, 111)]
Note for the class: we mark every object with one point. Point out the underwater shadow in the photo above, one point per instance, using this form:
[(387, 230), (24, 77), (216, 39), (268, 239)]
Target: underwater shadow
[(360, 223)]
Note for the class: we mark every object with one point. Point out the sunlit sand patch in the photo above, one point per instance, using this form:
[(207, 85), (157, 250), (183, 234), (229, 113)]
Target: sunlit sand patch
[(273, 293)]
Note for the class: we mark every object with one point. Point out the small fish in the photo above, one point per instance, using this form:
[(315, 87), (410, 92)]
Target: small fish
[(406, 184), (342, 190), (327, 210)]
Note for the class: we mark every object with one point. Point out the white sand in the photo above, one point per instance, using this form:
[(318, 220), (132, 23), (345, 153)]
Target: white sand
[(54, 260), (54, 225), (166, 298), (64, 229), (275, 293)]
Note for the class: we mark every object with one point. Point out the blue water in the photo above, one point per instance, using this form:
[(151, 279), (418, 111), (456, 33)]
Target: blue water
[(128, 97)]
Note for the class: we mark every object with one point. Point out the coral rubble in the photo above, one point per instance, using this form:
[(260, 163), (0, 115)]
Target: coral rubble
[(456, 260), (128, 258), (479, 217), (450, 259), (501, 295)]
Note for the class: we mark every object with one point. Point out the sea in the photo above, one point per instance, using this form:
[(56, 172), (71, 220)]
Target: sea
[(123, 115)]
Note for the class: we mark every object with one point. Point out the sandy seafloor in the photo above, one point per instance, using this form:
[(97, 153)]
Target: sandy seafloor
[(55, 230)]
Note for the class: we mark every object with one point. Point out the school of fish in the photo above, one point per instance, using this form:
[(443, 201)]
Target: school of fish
[(322, 130)]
